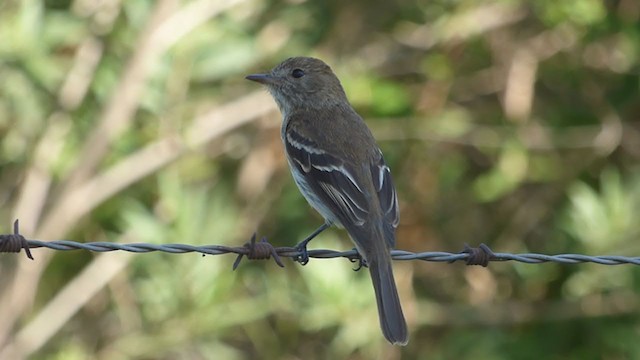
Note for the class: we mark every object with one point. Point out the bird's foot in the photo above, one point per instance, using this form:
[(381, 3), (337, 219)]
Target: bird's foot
[(360, 260), (303, 256)]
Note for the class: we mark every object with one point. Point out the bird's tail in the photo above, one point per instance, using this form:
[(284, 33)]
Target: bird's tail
[(392, 322)]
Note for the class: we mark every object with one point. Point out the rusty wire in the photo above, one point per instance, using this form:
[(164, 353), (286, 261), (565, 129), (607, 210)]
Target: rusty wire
[(262, 249)]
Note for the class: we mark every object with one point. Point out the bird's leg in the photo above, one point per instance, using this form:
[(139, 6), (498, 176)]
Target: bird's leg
[(303, 258)]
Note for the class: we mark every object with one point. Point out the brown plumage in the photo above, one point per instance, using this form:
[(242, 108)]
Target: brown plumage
[(339, 169)]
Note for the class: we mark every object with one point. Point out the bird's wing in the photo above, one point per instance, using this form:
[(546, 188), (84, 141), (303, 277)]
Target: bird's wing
[(342, 186), (332, 180), (381, 175)]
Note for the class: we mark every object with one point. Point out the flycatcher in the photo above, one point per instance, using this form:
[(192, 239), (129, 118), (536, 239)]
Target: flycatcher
[(339, 169)]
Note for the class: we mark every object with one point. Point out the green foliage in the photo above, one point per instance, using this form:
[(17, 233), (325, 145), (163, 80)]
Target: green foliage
[(508, 122), (605, 220)]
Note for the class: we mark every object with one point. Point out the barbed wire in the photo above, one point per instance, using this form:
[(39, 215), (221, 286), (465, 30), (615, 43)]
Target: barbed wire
[(262, 249)]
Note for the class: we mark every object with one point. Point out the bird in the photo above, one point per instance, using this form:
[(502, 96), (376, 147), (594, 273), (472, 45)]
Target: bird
[(340, 170)]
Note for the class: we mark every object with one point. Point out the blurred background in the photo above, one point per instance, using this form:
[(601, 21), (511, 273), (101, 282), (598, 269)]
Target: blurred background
[(507, 122)]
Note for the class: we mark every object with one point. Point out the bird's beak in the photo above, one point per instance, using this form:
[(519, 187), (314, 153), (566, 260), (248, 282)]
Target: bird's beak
[(261, 78)]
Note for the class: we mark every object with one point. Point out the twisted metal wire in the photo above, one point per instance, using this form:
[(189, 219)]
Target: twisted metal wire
[(290, 252), (481, 255)]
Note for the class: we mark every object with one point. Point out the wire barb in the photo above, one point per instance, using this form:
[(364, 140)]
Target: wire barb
[(13, 243), (480, 255), (262, 250)]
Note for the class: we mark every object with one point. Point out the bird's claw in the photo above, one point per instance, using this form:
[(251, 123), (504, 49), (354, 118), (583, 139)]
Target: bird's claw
[(361, 261), (303, 256)]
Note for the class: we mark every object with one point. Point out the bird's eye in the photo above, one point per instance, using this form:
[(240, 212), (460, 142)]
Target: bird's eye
[(297, 73)]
